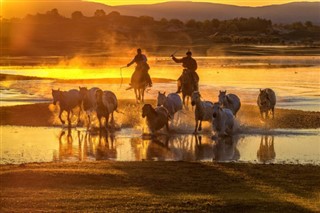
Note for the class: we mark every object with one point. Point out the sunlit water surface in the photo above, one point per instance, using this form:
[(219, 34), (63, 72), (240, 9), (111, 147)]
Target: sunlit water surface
[(295, 79), (29, 144)]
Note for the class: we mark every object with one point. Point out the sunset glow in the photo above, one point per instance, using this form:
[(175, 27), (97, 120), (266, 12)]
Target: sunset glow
[(232, 2)]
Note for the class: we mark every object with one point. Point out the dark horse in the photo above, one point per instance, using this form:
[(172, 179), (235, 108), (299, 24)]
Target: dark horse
[(139, 84), (187, 86)]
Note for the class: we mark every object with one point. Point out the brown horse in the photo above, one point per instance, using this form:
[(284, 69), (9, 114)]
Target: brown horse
[(187, 86), (139, 84)]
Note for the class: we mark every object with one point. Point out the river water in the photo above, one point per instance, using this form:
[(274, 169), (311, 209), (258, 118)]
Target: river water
[(295, 79)]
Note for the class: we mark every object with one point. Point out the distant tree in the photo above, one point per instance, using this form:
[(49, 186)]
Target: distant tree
[(114, 14), (176, 23), (77, 15), (54, 12), (191, 23), (308, 24), (99, 13), (215, 23), (146, 20), (164, 21)]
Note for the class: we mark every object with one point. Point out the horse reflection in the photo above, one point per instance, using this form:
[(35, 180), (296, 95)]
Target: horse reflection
[(99, 146), (176, 148), (156, 148), (266, 153), (89, 147), (225, 149), (106, 148), (67, 150), (203, 151)]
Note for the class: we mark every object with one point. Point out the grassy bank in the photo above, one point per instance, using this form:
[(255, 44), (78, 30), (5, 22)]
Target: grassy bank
[(159, 187)]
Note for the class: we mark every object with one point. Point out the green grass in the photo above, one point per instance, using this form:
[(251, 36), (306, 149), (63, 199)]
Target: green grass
[(159, 187)]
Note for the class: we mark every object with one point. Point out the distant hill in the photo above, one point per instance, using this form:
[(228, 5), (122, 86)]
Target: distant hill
[(284, 13)]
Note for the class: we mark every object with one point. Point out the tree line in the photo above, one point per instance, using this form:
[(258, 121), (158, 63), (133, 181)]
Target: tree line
[(50, 32)]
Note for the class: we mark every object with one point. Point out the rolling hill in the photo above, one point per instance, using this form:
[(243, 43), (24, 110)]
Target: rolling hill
[(284, 13)]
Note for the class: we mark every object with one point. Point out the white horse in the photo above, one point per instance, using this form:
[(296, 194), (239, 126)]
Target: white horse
[(107, 103), (266, 102), (68, 100), (223, 120), (230, 101), (203, 111), (89, 101), (156, 118), (172, 102)]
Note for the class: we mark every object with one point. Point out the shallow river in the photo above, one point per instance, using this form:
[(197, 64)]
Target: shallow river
[(30, 144), (296, 81)]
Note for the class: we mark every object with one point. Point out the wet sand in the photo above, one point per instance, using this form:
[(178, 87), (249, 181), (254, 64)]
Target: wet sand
[(159, 187), (41, 114)]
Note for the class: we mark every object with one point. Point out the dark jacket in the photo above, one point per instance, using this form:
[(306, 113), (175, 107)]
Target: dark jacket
[(187, 62)]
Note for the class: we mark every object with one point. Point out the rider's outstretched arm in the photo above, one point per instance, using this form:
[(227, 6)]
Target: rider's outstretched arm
[(176, 59)]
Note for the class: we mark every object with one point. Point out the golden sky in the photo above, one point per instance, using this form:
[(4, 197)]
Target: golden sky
[(233, 2)]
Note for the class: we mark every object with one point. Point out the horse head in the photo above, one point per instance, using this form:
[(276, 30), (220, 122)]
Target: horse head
[(216, 109), (161, 99), (56, 94), (195, 98), (146, 110), (222, 96), (83, 92), (263, 98)]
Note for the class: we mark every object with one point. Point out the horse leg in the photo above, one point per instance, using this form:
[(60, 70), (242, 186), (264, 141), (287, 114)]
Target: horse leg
[(89, 121), (99, 119), (136, 93), (195, 129), (200, 126), (69, 120), (80, 109), (142, 95), (60, 113), (107, 121), (167, 126), (272, 113)]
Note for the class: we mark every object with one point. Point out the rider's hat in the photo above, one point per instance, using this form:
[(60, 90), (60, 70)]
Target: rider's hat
[(188, 52)]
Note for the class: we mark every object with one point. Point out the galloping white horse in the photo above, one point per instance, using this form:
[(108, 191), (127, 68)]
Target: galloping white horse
[(223, 120), (230, 101), (172, 102), (107, 103), (203, 111), (68, 100)]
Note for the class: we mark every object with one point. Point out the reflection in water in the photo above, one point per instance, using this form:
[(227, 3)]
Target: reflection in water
[(225, 149), (266, 153), (25, 145), (86, 146)]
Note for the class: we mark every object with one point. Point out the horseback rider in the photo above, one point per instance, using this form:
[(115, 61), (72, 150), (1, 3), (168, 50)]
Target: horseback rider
[(190, 66), (142, 67)]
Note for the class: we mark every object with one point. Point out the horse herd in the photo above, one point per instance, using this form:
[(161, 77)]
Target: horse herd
[(104, 103)]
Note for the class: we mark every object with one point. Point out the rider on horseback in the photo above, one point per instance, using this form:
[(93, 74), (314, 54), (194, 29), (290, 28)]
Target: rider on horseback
[(190, 66), (141, 68)]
